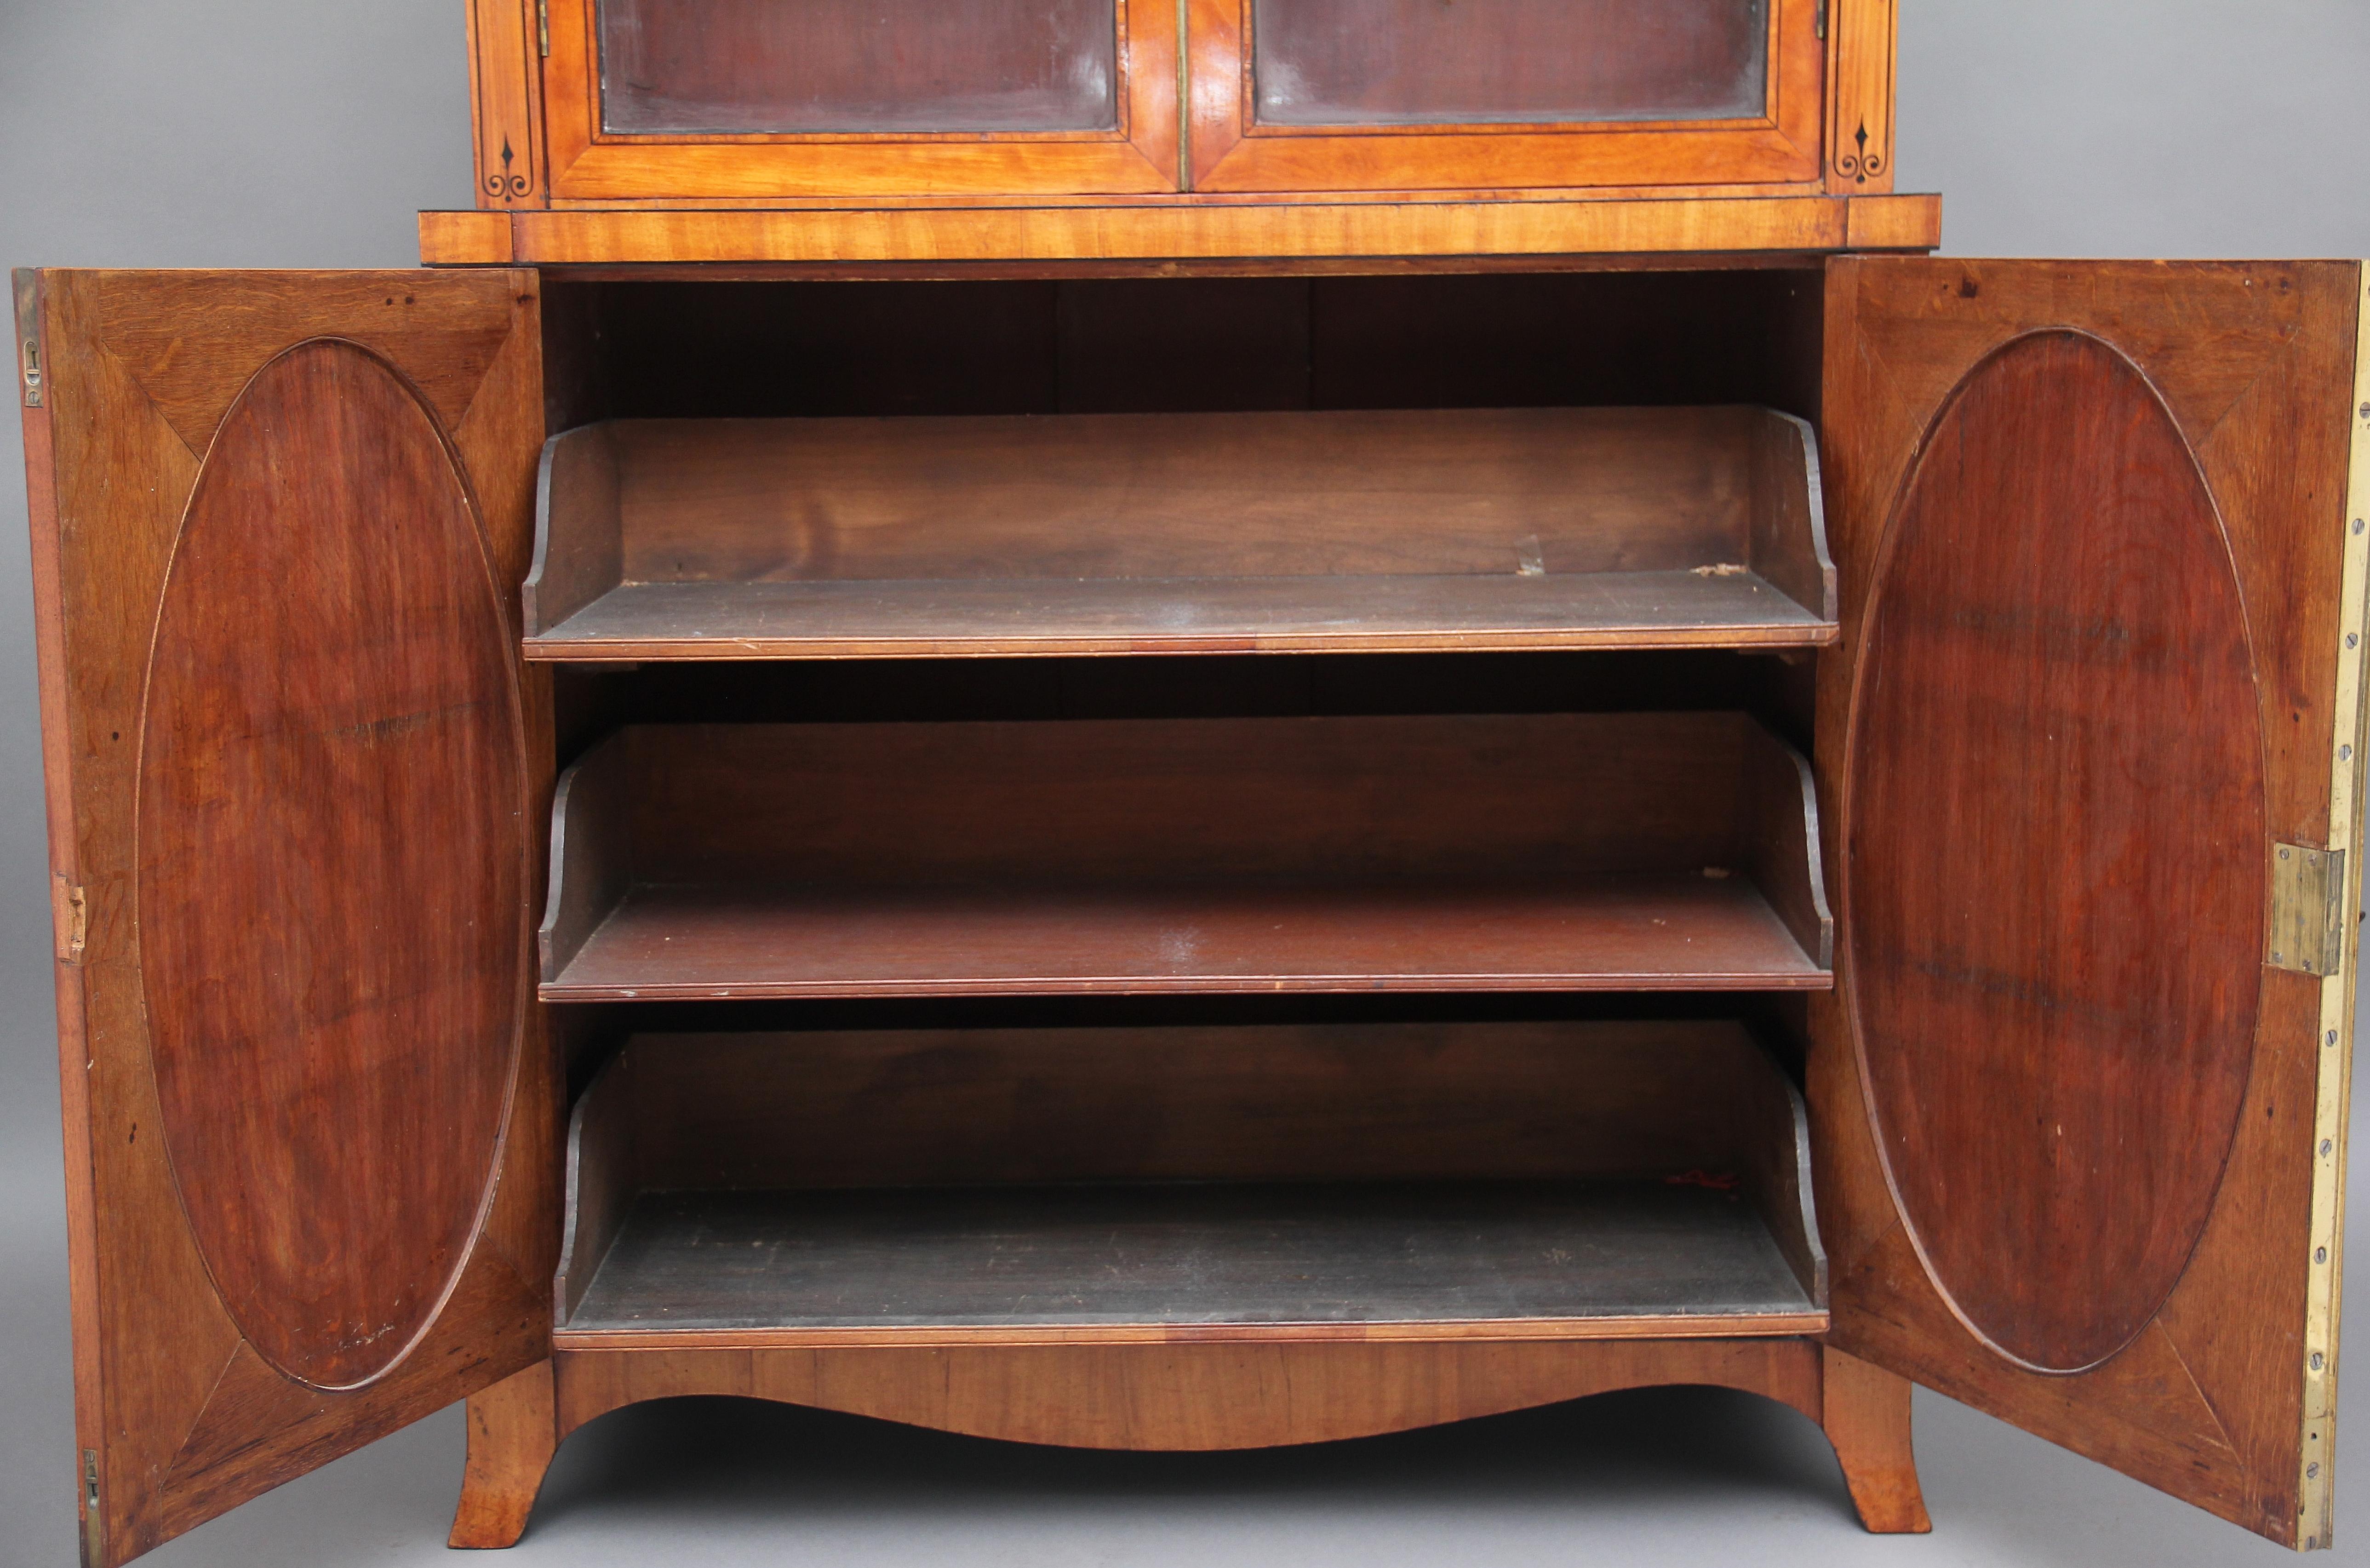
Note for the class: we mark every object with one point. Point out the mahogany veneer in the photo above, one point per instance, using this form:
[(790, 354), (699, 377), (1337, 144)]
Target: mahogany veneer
[(1570, 852), (1150, 533), (1397, 1181), (2075, 1076)]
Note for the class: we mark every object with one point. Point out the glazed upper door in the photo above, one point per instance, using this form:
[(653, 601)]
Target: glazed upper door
[(2093, 754), (310, 1120), (1417, 95), (726, 99)]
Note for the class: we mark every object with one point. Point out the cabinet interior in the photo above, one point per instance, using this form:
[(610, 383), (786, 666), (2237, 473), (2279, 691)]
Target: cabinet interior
[(1178, 642), (1558, 1179)]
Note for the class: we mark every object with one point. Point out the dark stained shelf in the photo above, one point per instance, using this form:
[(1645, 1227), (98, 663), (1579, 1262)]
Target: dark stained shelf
[(1658, 851), (1248, 615), (1642, 931), (1574, 1260), (1398, 530)]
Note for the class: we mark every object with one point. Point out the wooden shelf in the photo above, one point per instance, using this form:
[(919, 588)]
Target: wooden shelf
[(1571, 1181), (1401, 530), (1674, 932), (1067, 1264), (1527, 852), (1248, 615)]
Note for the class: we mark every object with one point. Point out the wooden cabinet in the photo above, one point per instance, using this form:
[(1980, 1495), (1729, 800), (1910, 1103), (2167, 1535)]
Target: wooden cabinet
[(696, 100), (1171, 864), (1409, 95), (1197, 725)]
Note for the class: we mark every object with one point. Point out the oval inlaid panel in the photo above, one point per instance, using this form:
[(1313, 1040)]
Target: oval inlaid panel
[(2056, 852), (331, 865)]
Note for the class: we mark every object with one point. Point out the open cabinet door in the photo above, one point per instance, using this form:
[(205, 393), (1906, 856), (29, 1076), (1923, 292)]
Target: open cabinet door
[(2092, 743), (309, 1116)]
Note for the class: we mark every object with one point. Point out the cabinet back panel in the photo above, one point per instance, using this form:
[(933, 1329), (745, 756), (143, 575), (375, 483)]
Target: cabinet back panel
[(1206, 686), (659, 350), (1187, 495), (1255, 1104), (1530, 797)]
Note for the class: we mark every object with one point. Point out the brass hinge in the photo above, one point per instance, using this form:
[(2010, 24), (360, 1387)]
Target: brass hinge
[(542, 27), (94, 1524), (1823, 18), (2308, 909), (27, 285), (70, 916)]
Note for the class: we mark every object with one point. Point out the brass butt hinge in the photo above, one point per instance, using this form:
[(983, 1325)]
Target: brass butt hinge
[(1823, 18), (70, 917), (28, 290), (542, 27), (2308, 909), (94, 1524)]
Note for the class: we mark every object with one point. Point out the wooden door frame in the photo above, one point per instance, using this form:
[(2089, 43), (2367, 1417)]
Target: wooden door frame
[(1232, 153), (178, 1416), (587, 163), (1850, 135), (2227, 1396)]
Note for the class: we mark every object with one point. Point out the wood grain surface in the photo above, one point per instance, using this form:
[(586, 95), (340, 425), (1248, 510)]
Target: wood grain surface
[(1270, 236), (1356, 1103), (1211, 532), (183, 1415), (1188, 1397), (675, 67), (2154, 666), (1239, 146), (1038, 617), (2028, 1029), (1206, 1397), (513, 1432), (706, 117), (1522, 852), (330, 867), (1405, 63), (1234, 1261)]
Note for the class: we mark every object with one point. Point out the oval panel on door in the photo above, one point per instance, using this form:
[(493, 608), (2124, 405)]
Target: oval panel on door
[(2056, 852), (331, 898)]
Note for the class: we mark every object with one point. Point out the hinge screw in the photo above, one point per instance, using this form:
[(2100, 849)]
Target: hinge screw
[(2357, 524), (2320, 1255), (2345, 753), (2328, 1147), (2332, 1038), (2319, 1361), (2353, 640), (2312, 1471)]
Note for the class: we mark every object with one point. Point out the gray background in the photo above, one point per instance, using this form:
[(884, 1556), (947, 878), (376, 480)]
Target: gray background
[(306, 133)]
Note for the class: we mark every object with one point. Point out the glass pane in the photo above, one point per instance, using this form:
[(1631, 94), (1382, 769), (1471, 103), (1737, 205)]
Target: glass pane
[(1466, 62), (790, 65)]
